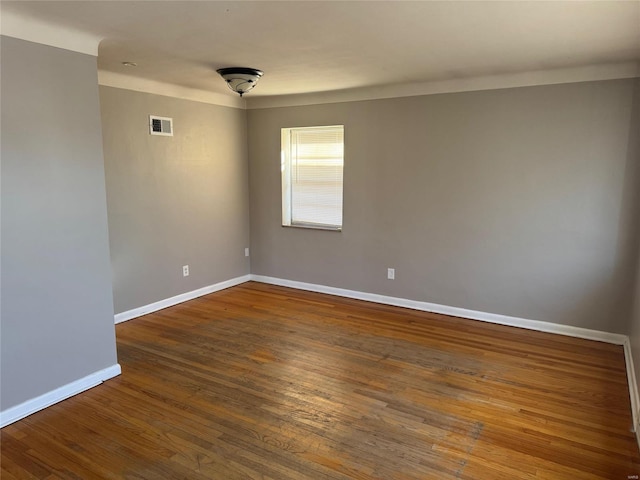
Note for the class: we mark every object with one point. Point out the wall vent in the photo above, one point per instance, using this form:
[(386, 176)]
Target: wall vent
[(160, 126)]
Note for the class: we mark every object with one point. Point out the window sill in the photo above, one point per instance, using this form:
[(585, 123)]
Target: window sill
[(315, 227)]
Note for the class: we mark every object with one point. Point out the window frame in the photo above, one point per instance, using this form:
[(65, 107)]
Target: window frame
[(287, 186)]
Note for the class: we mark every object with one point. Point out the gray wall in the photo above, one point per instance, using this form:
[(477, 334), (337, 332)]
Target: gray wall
[(57, 310), (509, 201), (634, 159), (173, 201)]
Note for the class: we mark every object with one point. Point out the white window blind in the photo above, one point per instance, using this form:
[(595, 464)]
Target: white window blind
[(312, 165)]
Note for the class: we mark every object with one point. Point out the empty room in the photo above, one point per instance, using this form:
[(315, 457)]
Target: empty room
[(320, 240)]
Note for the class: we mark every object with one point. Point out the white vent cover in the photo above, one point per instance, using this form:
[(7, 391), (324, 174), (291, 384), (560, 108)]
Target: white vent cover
[(160, 126)]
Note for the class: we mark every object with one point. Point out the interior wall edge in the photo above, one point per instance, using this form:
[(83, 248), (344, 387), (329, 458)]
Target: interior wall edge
[(634, 396)]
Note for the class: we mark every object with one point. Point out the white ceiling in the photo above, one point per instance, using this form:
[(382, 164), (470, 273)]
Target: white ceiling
[(310, 46)]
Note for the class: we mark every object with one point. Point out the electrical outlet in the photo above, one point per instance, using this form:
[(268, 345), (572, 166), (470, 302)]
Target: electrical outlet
[(246, 252), (391, 273), (185, 271)]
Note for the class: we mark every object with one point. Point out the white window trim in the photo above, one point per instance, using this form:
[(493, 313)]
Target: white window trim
[(285, 161)]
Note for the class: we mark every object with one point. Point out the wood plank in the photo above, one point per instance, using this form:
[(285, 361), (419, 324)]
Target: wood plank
[(265, 382)]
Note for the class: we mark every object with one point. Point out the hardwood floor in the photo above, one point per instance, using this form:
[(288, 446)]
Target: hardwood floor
[(264, 382)]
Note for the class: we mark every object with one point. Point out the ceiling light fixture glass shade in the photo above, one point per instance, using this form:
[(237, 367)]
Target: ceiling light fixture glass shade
[(240, 79)]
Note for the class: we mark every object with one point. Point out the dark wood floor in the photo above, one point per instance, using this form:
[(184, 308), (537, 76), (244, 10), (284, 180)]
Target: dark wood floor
[(264, 382)]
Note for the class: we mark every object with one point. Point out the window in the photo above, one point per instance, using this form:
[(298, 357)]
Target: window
[(312, 163)]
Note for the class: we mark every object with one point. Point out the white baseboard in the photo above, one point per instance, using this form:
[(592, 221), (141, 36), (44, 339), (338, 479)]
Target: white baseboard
[(615, 338), (34, 405), (633, 389), (183, 297)]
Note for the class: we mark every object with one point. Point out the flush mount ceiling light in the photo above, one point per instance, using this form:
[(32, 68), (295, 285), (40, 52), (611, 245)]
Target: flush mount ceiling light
[(240, 79)]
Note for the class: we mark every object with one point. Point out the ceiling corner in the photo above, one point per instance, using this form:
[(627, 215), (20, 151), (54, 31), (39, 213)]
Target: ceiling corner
[(33, 30)]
